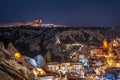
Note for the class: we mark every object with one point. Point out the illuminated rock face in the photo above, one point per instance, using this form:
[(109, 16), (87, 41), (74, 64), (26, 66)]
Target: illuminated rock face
[(40, 60), (13, 69), (37, 61), (33, 62)]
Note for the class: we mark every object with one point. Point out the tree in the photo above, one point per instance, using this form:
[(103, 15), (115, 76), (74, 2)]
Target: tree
[(1, 45)]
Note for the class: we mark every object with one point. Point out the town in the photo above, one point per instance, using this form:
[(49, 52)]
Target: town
[(77, 62)]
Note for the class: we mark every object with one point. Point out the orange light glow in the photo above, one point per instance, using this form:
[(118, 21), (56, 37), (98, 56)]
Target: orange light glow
[(105, 44), (35, 71), (17, 55), (99, 51), (117, 64), (111, 62), (109, 49), (39, 71)]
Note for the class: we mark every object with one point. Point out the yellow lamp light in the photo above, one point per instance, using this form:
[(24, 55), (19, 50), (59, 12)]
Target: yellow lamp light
[(105, 43), (17, 55)]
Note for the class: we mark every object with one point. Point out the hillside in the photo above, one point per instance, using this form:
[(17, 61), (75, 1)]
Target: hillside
[(31, 41)]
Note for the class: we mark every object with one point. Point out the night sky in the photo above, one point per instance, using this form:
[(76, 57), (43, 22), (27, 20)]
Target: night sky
[(66, 12)]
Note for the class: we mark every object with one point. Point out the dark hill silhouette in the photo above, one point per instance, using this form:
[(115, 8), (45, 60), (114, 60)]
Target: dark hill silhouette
[(31, 41)]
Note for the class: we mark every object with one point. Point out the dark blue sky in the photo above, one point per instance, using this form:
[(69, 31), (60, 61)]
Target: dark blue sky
[(66, 12)]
